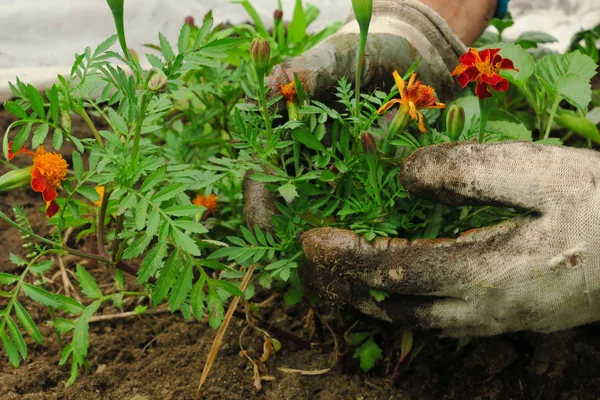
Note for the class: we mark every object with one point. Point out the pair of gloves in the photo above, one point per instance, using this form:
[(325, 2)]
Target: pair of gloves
[(540, 272)]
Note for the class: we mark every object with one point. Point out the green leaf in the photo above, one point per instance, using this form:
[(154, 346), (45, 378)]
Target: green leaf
[(21, 136), (37, 101), (88, 192), (568, 76), (181, 288), (185, 242), (267, 178), (152, 262), (77, 164), (168, 192), (10, 349), (578, 124), (57, 139), (40, 295), (166, 278), (27, 323), (536, 37), (39, 135), (80, 332), (16, 336), (15, 109), (7, 279), (165, 47), (228, 287), (184, 37), (197, 299), (288, 191), (187, 210), (15, 259), (118, 122), (215, 309), (368, 353), (191, 226), (153, 179), (41, 267), (87, 283), (52, 95), (297, 28), (306, 137), (521, 59), (69, 304), (354, 339), (379, 295), (63, 325)]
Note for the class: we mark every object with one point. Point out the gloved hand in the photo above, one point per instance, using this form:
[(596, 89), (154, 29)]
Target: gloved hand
[(540, 272), (401, 32)]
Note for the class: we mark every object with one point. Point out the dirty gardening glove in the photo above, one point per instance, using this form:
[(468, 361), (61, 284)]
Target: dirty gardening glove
[(538, 272), (401, 32)]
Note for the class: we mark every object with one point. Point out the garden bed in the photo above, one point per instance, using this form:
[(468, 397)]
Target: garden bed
[(160, 356)]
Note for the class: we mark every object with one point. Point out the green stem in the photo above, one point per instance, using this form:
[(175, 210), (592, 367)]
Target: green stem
[(263, 104), (100, 223), (69, 250), (359, 65), (484, 109), (551, 117), (81, 111), (138, 132)]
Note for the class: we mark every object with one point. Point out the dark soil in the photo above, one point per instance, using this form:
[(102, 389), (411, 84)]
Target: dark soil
[(160, 356)]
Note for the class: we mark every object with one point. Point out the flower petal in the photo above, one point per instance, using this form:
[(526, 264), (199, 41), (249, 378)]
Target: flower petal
[(412, 110), (421, 123), (491, 79), (506, 64), (387, 106), (481, 90), (49, 193), (501, 86), (470, 58), (38, 183), (399, 81), (51, 208)]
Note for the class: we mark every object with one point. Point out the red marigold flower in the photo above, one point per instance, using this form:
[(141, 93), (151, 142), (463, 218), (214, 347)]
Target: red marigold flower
[(47, 173), (413, 97), (483, 66), (210, 202)]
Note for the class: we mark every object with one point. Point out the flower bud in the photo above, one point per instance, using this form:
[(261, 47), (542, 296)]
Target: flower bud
[(260, 53), (367, 141), (15, 179), (455, 121), (65, 121), (278, 15), (363, 10), (190, 20), (158, 80)]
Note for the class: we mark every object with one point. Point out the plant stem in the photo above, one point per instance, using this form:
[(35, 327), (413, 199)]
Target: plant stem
[(359, 65), (138, 131), (263, 104), (81, 111), (551, 117), (100, 223), (484, 109)]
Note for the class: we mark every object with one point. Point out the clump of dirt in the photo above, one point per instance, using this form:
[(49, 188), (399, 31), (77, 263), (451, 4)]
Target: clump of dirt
[(160, 356)]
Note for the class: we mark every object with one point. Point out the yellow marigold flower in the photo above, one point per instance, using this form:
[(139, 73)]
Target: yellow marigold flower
[(47, 173), (210, 202), (413, 97)]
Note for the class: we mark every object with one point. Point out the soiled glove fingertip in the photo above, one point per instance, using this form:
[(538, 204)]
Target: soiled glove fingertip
[(325, 246)]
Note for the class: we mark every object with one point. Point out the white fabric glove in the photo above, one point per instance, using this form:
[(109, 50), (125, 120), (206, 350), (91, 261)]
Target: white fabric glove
[(401, 31), (539, 272)]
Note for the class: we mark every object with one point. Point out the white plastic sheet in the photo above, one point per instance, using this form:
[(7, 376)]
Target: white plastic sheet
[(38, 38)]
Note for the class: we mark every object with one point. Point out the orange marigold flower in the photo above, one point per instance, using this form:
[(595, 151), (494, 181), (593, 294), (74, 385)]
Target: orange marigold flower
[(288, 91), (413, 97), (210, 202), (483, 66), (47, 173), (100, 191)]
